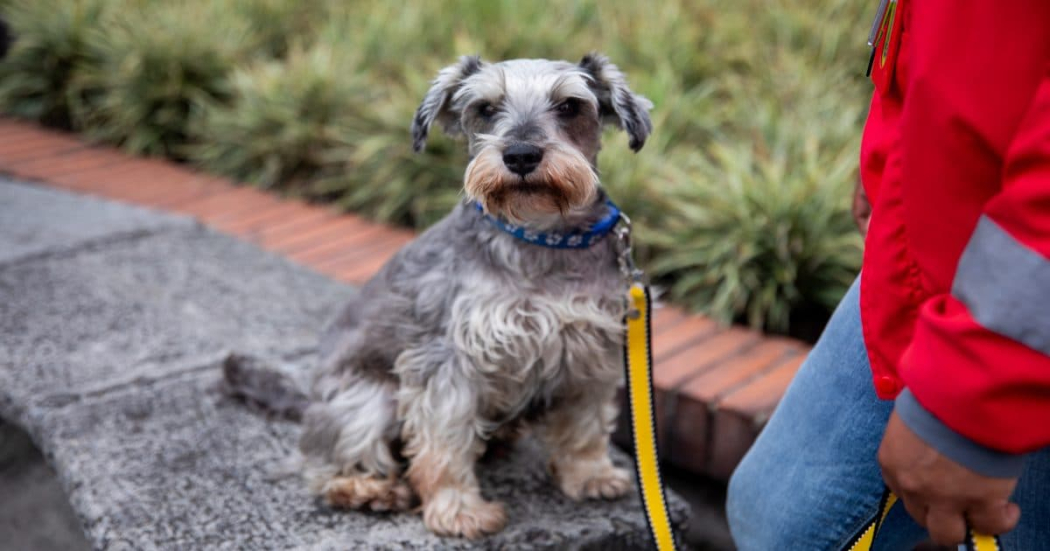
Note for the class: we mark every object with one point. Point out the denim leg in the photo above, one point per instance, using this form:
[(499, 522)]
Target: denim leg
[(812, 478), (1033, 495)]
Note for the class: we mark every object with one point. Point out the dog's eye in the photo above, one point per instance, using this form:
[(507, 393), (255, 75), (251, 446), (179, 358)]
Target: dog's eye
[(568, 108), (486, 110)]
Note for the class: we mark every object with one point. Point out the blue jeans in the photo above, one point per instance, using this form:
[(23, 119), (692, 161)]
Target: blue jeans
[(811, 480)]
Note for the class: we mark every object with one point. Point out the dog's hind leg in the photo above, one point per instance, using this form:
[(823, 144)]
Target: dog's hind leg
[(347, 443)]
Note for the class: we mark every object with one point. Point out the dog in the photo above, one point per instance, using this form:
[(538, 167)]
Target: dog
[(473, 332)]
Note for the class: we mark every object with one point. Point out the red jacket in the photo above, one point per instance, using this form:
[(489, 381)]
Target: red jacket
[(955, 288)]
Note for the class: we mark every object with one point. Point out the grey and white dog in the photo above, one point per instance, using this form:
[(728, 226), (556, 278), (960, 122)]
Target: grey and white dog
[(470, 334)]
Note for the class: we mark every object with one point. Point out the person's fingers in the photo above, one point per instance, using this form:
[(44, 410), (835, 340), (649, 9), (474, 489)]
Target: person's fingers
[(994, 518), (915, 508), (946, 526)]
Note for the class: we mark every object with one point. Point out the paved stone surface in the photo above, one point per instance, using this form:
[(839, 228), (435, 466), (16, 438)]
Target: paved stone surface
[(38, 219), (147, 305), (111, 331), (34, 512)]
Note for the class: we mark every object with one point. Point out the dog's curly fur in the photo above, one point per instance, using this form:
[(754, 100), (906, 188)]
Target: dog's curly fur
[(468, 333)]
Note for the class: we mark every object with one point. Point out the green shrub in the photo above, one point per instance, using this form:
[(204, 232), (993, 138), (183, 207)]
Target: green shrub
[(760, 232), (284, 118), (278, 24), (379, 173), (40, 78), (156, 61)]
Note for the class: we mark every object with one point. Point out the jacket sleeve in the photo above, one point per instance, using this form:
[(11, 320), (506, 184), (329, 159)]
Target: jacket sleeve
[(977, 370)]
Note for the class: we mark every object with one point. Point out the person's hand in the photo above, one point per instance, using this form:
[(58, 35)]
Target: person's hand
[(861, 208), (940, 494)]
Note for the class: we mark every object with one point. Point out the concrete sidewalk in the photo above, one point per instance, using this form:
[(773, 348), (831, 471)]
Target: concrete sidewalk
[(34, 512), (113, 321)]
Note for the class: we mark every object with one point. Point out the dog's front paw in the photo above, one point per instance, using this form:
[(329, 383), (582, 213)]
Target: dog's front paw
[(608, 482), (453, 512)]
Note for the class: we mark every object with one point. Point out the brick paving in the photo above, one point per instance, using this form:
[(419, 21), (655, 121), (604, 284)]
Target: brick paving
[(715, 386)]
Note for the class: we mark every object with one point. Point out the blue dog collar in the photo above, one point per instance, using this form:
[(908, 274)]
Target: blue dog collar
[(575, 239)]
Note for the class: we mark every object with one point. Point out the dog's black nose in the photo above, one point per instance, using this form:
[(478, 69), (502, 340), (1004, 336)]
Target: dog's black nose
[(522, 158)]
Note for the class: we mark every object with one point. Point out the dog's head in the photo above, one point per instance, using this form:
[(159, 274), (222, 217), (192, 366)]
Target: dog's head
[(533, 128)]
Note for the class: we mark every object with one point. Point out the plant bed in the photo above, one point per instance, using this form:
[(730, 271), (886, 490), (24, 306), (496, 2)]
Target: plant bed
[(740, 198)]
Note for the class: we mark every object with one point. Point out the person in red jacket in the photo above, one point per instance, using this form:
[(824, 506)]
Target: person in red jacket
[(933, 375)]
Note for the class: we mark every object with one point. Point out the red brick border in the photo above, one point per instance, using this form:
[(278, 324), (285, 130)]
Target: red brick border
[(715, 386)]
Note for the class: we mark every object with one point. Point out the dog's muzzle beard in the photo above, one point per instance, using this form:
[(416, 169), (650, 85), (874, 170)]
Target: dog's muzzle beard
[(564, 181)]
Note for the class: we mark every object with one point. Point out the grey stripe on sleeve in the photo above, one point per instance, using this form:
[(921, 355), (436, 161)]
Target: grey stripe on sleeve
[(954, 446), (1006, 286)]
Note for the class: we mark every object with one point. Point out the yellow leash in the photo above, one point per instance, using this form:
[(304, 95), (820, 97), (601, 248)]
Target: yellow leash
[(866, 537), (638, 365), (643, 425)]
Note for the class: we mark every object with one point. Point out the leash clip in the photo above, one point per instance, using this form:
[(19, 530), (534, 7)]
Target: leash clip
[(630, 271), (632, 275)]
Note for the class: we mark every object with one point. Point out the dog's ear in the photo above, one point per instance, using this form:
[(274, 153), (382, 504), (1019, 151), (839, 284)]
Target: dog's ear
[(437, 105), (617, 103)]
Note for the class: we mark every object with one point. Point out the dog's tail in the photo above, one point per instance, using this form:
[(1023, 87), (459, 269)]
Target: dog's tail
[(267, 386)]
